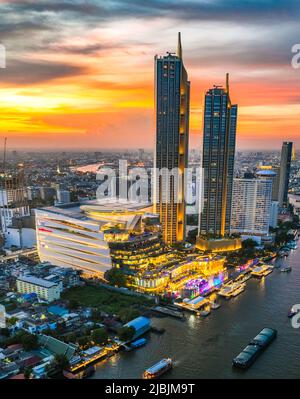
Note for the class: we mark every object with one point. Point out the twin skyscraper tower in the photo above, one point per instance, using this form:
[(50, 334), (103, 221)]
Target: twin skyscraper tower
[(172, 102)]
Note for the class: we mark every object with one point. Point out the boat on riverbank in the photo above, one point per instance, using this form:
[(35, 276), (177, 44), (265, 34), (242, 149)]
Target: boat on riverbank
[(158, 369), (292, 245), (135, 344), (270, 257), (158, 330), (205, 312), (215, 305), (261, 271), (255, 347), (286, 269), (242, 278), (169, 312), (232, 290)]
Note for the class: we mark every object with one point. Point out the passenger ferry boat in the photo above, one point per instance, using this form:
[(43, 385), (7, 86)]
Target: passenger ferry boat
[(215, 305), (286, 269), (232, 290), (261, 271), (158, 369), (242, 278), (205, 312), (292, 245), (135, 344)]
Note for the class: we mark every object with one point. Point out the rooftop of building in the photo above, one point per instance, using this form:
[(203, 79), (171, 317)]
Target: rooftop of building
[(266, 172), (80, 210), (139, 323), (37, 281)]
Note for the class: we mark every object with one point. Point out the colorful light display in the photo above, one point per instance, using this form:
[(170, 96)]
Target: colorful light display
[(201, 285)]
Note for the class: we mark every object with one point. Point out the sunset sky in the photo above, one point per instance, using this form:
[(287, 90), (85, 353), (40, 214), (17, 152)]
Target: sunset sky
[(80, 73)]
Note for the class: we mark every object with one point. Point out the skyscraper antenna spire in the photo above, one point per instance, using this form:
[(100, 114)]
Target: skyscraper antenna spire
[(179, 48), (227, 82)]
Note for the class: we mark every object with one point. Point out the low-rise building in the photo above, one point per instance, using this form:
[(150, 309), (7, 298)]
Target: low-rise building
[(140, 324), (47, 290)]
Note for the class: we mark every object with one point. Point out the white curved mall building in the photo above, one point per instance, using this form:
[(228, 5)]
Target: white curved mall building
[(77, 235)]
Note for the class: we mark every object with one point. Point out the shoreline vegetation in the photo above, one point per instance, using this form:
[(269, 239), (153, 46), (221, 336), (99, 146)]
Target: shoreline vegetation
[(100, 298)]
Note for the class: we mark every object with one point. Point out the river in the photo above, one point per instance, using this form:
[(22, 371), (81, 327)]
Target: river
[(205, 347)]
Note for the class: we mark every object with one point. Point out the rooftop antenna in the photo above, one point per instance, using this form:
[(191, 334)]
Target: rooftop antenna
[(227, 82), (179, 47)]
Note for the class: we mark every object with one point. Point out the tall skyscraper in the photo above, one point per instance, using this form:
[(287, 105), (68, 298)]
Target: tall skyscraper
[(285, 168), (219, 133), (251, 206), (172, 94)]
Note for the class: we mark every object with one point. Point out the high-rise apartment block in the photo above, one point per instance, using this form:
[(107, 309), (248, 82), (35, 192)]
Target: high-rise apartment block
[(172, 92), (251, 206), (219, 136)]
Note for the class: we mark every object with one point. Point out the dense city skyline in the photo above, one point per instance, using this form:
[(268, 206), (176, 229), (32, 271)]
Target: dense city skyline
[(83, 78)]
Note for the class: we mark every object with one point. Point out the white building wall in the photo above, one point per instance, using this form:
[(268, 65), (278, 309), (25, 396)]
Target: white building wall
[(71, 242), (25, 237), (50, 294), (251, 206)]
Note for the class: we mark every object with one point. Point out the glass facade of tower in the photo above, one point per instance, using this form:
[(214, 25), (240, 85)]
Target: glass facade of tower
[(220, 118), (172, 132), (285, 168)]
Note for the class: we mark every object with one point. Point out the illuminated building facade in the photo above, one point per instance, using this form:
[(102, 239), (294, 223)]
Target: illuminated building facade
[(80, 235), (285, 168), (139, 253), (172, 134), (175, 278), (218, 245), (219, 136), (251, 206)]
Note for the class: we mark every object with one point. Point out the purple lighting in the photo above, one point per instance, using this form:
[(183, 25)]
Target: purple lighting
[(201, 285)]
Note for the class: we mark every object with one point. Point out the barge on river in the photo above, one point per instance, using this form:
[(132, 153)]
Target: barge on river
[(255, 347)]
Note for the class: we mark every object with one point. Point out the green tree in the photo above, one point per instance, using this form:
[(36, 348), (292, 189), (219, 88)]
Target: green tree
[(73, 304), (12, 321), (126, 333), (4, 332), (116, 277), (61, 362), (57, 366), (99, 335), (249, 244), (83, 341), (27, 373), (29, 341), (96, 315), (127, 314)]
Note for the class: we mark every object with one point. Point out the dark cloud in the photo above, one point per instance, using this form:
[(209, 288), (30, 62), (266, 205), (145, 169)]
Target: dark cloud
[(233, 10), (44, 24), (10, 30), (25, 72), (88, 49)]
